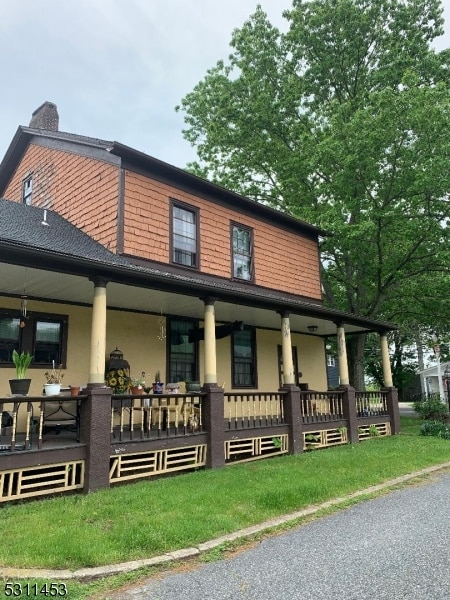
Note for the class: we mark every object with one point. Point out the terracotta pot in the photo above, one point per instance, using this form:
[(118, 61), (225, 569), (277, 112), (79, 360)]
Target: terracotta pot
[(74, 390), (136, 390)]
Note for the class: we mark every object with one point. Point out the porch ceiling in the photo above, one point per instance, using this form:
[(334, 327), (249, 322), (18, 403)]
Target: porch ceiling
[(41, 284)]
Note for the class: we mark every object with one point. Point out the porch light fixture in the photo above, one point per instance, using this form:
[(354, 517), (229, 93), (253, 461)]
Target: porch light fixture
[(312, 328)]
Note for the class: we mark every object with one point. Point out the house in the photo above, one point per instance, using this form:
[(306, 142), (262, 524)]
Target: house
[(103, 247)]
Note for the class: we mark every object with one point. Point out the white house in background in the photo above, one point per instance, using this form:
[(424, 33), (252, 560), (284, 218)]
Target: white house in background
[(429, 379)]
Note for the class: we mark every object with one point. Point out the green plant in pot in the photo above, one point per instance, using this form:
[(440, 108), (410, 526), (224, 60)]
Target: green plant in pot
[(21, 385)]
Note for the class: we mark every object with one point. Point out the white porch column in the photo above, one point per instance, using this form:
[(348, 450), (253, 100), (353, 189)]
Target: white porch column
[(210, 342), (286, 346), (98, 335), (342, 355), (385, 361)]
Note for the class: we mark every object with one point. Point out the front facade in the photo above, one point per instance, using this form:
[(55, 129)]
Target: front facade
[(103, 247)]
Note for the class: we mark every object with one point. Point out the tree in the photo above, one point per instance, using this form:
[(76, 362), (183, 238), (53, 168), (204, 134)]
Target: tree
[(342, 121)]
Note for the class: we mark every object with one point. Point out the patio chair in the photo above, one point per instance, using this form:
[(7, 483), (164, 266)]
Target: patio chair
[(62, 412)]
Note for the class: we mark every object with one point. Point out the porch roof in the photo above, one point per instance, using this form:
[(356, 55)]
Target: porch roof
[(56, 260)]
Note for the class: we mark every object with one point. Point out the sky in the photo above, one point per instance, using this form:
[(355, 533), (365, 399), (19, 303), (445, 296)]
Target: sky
[(116, 69)]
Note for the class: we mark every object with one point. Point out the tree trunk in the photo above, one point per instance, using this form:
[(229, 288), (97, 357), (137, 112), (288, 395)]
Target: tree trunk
[(355, 355)]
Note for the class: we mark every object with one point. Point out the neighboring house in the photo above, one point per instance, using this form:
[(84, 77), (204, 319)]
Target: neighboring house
[(169, 251), (332, 371), (429, 379)]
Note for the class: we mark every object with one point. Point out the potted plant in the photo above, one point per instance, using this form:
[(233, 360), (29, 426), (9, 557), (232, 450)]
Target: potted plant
[(137, 386), (53, 381), (20, 386), (158, 385)]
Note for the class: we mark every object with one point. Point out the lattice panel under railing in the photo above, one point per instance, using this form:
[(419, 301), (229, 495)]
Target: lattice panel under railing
[(28, 482), (324, 438), (375, 430), (156, 462), (255, 448)]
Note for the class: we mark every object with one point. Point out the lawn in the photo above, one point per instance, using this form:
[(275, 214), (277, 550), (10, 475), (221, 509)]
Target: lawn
[(152, 517)]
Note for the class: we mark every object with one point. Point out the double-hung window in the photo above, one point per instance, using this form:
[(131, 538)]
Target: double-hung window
[(244, 358), (44, 336), (242, 251), (184, 238), (183, 355)]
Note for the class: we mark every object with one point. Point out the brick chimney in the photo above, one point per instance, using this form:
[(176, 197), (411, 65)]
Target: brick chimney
[(45, 117)]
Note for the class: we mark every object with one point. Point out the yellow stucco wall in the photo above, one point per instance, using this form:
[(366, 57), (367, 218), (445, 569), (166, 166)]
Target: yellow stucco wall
[(136, 336)]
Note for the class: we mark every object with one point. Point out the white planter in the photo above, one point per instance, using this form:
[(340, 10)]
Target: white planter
[(52, 389)]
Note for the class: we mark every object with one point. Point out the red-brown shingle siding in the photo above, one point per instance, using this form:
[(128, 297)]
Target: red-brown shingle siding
[(81, 189), (283, 260)]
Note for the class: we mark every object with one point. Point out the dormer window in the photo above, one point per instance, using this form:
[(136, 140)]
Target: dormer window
[(27, 190)]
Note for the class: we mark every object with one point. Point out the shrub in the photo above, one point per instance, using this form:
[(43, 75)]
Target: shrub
[(431, 408), (435, 428)]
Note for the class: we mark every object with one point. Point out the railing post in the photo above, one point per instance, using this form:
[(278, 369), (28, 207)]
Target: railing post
[(213, 420), (293, 417), (95, 422), (349, 409), (392, 409)]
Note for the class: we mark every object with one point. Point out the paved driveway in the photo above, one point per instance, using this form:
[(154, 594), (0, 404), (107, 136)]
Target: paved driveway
[(394, 547)]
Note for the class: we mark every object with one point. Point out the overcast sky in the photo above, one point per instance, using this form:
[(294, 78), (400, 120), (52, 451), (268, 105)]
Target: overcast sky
[(116, 69)]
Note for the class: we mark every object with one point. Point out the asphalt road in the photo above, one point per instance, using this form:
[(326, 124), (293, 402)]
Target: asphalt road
[(393, 547)]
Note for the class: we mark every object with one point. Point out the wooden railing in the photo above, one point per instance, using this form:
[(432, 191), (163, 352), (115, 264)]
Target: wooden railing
[(155, 415), (322, 406), (103, 439), (371, 404), (252, 410)]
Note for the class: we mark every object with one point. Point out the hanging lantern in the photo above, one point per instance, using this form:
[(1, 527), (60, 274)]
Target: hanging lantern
[(117, 372)]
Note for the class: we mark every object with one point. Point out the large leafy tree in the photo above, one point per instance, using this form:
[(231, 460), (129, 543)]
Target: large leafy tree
[(343, 121)]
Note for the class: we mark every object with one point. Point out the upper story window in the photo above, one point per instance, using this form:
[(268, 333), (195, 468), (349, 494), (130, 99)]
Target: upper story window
[(27, 190), (184, 238), (331, 361), (42, 335), (242, 251)]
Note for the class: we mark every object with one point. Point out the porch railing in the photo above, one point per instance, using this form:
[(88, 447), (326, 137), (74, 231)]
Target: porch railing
[(155, 415), (322, 406), (252, 410), (112, 438), (370, 404)]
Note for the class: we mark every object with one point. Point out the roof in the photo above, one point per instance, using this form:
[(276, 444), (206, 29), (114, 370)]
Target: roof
[(158, 169), (47, 230), (33, 236)]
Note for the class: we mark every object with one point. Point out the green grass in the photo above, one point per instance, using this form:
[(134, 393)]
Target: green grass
[(152, 517)]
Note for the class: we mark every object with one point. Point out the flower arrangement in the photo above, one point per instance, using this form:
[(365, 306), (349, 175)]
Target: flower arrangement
[(55, 375), (118, 380)]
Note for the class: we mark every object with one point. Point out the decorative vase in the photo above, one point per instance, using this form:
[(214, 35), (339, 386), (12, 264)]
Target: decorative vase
[(52, 389), (74, 390), (19, 387), (158, 387)]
